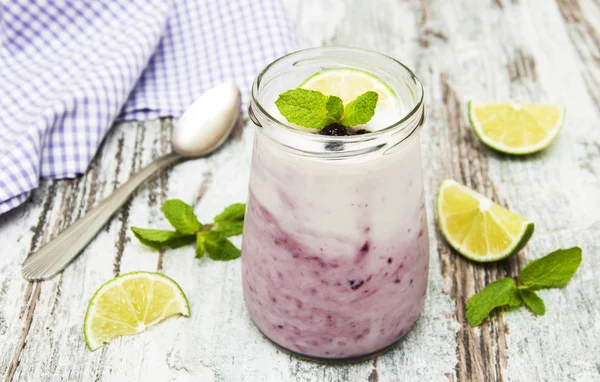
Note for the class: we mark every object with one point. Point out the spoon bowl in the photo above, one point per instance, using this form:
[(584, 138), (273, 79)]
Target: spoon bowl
[(208, 121)]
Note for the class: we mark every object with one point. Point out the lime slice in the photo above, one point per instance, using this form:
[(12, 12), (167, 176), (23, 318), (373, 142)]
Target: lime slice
[(349, 83), (516, 128), (478, 228), (129, 304)]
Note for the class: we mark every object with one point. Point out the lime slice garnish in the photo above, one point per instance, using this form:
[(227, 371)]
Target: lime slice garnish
[(516, 128), (349, 83), (129, 304), (478, 228)]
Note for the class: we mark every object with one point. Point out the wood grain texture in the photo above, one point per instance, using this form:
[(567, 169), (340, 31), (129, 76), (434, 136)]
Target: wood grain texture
[(531, 50)]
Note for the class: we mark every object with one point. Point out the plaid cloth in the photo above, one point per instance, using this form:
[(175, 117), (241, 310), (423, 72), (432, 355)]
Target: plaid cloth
[(69, 68)]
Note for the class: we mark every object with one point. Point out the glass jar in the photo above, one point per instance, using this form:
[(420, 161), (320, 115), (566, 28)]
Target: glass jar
[(335, 249)]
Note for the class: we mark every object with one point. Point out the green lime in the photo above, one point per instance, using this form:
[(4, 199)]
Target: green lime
[(129, 304), (478, 228), (515, 128)]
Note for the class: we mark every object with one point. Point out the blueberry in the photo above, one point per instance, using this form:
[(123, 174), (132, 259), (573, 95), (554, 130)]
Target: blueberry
[(365, 247), (335, 129), (355, 284)]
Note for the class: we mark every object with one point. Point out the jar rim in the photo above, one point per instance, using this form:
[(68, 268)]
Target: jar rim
[(373, 134)]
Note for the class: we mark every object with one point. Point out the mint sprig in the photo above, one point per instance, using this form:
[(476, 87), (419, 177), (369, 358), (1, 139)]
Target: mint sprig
[(315, 110), (211, 238), (551, 271)]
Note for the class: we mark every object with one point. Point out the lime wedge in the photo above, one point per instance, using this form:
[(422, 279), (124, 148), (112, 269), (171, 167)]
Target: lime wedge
[(516, 128), (478, 228), (348, 84), (129, 304)]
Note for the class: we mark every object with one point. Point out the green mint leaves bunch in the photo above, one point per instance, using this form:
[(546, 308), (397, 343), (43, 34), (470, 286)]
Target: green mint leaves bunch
[(211, 238), (552, 271), (315, 110)]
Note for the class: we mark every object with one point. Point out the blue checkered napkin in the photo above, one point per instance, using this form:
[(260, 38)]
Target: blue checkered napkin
[(68, 69)]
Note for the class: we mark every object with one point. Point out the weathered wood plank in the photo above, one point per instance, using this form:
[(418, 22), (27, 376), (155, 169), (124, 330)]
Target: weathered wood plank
[(521, 70), (503, 49), (582, 18), (562, 344)]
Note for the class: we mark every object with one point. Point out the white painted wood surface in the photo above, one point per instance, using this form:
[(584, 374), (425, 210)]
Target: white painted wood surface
[(531, 50)]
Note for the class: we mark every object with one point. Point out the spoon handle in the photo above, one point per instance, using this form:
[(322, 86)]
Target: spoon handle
[(60, 251)]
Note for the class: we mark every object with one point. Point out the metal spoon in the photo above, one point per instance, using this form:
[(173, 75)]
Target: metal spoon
[(202, 129)]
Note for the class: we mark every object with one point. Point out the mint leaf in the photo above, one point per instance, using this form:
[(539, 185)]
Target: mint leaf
[(361, 110), (551, 271), (153, 238), (229, 228), (211, 238), (157, 238), (335, 107), (499, 293), (533, 301), (304, 107), (200, 246), (155, 235), (217, 246), (181, 216), (233, 213)]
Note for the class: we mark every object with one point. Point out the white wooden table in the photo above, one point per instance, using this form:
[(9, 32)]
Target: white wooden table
[(531, 50)]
